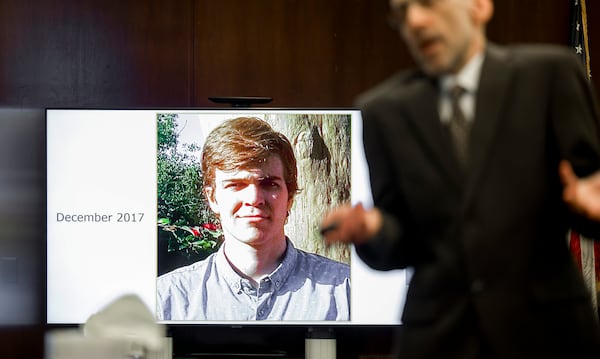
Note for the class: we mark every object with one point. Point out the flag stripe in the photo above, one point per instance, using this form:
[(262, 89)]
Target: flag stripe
[(588, 268), (575, 246), (597, 256)]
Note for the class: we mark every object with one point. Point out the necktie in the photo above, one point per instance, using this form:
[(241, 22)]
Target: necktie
[(459, 126)]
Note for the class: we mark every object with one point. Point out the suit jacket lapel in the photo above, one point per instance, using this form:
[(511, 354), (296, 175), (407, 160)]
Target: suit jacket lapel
[(489, 111), (422, 106)]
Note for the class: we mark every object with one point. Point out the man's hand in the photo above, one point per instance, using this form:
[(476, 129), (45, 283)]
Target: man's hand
[(351, 224), (581, 194)]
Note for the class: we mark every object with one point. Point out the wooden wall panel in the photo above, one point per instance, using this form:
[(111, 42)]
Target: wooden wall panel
[(300, 52), (316, 53), (531, 21), (178, 53), (593, 12), (95, 53)]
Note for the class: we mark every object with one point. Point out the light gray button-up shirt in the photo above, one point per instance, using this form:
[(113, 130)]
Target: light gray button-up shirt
[(304, 287)]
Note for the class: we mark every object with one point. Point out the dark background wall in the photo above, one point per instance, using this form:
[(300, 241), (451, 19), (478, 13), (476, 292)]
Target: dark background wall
[(152, 53), (178, 53)]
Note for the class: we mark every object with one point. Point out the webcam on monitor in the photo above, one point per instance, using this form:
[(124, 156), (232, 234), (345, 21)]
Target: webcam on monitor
[(241, 101)]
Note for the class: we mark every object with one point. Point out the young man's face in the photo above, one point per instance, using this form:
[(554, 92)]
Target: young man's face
[(252, 203)]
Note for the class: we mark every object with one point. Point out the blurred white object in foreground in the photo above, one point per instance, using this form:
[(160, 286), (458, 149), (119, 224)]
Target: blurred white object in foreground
[(124, 329)]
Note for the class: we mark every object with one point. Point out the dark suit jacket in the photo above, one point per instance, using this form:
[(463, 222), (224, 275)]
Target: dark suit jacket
[(488, 247)]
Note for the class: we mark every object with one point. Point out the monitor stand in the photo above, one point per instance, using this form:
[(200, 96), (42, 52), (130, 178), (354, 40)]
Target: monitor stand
[(320, 344)]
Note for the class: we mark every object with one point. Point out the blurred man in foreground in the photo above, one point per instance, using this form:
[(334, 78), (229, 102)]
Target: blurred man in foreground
[(480, 160)]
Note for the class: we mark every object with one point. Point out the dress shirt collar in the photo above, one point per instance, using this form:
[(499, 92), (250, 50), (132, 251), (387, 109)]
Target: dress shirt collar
[(277, 278), (467, 77)]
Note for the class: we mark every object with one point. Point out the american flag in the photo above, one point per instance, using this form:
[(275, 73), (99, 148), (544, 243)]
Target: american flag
[(579, 33), (585, 250)]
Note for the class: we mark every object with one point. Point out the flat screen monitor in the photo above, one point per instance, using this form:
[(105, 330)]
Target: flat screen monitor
[(125, 205)]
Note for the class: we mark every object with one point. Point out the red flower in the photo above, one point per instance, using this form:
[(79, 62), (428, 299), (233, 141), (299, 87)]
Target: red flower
[(195, 231), (210, 226)]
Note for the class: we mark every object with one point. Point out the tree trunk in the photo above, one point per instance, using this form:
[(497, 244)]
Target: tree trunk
[(322, 148)]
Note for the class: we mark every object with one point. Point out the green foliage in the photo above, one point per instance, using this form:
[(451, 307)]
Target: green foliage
[(182, 212), (191, 240)]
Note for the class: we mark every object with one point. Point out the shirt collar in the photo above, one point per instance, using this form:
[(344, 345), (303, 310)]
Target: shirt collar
[(286, 267), (277, 277), (467, 77)]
